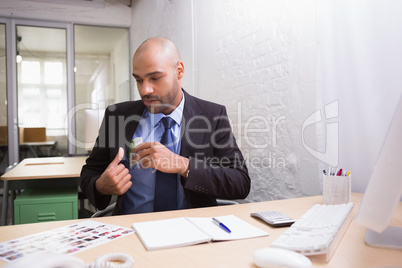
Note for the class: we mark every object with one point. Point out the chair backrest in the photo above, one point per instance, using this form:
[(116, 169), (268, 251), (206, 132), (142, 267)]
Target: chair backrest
[(34, 134), (105, 212), (224, 202)]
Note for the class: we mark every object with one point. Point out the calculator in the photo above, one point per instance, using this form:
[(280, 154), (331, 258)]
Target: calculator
[(274, 218)]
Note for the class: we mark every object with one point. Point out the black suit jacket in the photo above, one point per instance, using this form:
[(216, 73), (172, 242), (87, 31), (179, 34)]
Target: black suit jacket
[(217, 167)]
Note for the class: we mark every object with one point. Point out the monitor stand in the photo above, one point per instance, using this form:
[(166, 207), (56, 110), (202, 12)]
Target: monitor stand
[(390, 238)]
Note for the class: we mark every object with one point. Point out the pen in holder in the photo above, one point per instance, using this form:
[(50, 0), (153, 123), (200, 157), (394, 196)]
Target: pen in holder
[(336, 189)]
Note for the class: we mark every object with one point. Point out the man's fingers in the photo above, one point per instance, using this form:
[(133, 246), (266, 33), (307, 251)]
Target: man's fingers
[(147, 163), (110, 180), (141, 146), (117, 159), (124, 184), (146, 145)]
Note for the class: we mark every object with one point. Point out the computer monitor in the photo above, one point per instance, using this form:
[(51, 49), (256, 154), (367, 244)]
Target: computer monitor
[(384, 190)]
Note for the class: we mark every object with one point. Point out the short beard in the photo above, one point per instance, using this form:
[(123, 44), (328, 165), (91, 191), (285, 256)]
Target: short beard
[(160, 107)]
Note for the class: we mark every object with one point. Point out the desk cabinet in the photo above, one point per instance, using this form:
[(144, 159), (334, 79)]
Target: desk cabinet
[(40, 205)]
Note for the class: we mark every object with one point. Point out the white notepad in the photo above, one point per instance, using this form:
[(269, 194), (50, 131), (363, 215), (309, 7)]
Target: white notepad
[(185, 231)]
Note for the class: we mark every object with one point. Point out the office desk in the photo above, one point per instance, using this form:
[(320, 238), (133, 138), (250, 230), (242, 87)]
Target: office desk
[(351, 252), (41, 173), (35, 147)]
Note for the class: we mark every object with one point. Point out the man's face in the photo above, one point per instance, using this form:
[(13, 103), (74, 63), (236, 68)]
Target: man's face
[(158, 82)]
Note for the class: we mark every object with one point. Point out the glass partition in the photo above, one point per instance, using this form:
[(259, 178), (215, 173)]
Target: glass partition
[(42, 91), (102, 74)]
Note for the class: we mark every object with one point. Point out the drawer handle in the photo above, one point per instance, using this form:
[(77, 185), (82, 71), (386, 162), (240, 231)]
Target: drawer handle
[(46, 219), (51, 216)]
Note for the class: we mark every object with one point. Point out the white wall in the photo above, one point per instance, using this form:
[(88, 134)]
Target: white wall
[(319, 80), (170, 19), (360, 63), (258, 59)]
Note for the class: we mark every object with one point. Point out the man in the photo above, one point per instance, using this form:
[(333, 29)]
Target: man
[(203, 163)]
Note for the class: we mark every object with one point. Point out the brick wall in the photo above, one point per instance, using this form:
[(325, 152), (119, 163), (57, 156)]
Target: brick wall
[(258, 58)]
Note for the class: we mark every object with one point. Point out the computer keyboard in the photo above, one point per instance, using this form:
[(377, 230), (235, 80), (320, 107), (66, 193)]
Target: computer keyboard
[(318, 231)]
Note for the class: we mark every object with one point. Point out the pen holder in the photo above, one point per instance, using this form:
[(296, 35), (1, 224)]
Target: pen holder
[(336, 189)]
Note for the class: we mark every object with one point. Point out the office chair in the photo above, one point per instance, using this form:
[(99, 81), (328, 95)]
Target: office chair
[(109, 209), (224, 202)]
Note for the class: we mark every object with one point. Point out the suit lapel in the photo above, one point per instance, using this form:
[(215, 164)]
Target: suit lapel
[(190, 112), (133, 120)]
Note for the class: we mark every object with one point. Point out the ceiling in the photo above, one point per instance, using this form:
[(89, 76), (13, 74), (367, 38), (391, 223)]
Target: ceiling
[(91, 3)]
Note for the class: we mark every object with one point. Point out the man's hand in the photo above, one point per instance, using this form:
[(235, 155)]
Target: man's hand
[(156, 155), (115, 180)]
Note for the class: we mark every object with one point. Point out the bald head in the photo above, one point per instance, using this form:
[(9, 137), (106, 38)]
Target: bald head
[(162, 47)]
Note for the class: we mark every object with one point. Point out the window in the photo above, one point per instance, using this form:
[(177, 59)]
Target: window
[(42, 103), (53, 73), (30, 72)]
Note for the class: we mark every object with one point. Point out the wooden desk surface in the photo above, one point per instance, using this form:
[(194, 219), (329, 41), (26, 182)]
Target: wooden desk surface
[(46, 167), (351, 252)]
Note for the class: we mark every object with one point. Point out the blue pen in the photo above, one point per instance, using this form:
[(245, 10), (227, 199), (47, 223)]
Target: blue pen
[(224, 227)]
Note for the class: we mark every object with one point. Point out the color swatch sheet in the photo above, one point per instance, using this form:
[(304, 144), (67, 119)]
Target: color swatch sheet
[(66, 240)]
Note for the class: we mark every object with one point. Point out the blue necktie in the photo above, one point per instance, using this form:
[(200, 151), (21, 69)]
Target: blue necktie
[(166, 183)]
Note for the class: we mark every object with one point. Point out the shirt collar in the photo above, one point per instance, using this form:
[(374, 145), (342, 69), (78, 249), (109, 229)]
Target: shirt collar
[(176, 115)]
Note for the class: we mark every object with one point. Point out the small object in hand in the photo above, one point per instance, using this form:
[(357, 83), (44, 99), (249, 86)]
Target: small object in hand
[(134, 143)]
